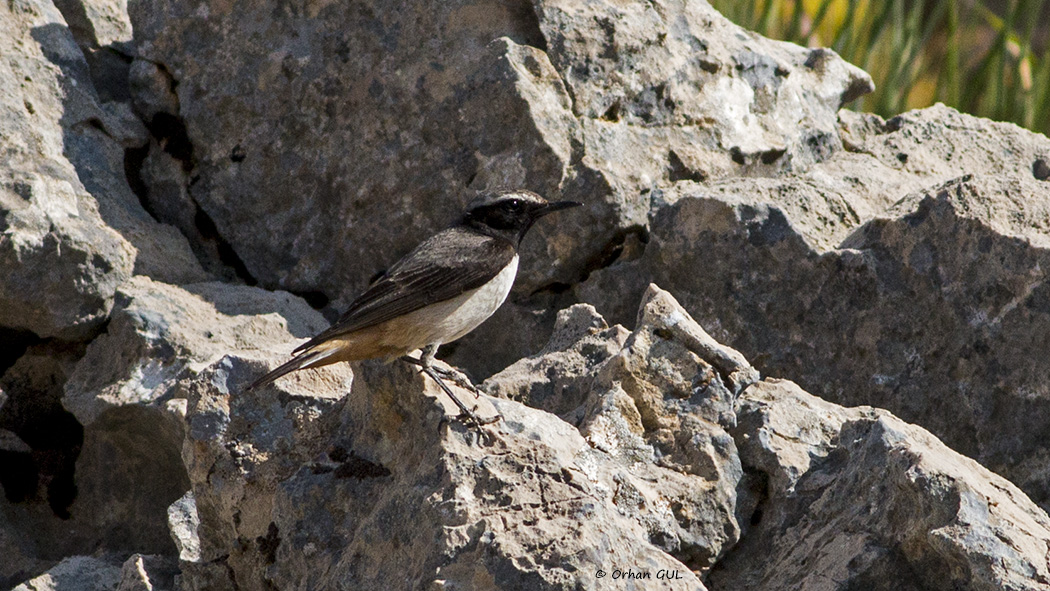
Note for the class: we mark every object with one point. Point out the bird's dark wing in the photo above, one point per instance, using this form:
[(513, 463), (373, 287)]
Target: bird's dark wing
[(448, 264)]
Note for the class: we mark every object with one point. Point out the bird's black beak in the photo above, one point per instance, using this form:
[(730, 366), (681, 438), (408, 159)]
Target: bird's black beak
[(553, 207)]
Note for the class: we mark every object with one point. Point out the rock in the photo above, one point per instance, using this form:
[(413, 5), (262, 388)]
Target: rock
[(589, 101), (239, 449), (677, 91), (103, 473), (912, 284), (163, 171), (20, 557), (76, 573), (97, 22), (64, 200), (559, 377), (862, 499), (159, 334), (407, 494), (432, 520), (183, 523), (896, 263), (151, 91), (662, 405), (102, 30), (124, 445), (127, 393), (147, 573), (11, 442), (39, 449)]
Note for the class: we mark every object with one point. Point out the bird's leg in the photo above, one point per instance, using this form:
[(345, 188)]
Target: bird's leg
[(451, 373), (426, 365), (458, 377)]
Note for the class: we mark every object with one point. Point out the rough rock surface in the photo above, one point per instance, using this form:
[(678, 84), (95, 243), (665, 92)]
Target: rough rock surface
[(593, 101), (894, 263), (113, 483), (410, 496), (931, 307), (861, 498), (127, 392), (76, 573), (65, 204), (87, 573), (674, 460), (313, 485)]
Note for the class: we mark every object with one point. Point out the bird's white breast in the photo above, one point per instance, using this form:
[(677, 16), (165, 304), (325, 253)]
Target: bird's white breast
[(466, 311), (450, 319)]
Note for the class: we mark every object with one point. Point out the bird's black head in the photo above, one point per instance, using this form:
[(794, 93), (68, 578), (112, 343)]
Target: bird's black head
[(510, 214)]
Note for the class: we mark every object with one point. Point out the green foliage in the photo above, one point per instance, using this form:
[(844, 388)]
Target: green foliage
[(922, 51)]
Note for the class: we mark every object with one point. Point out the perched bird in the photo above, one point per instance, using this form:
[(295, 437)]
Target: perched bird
[(437, 293)]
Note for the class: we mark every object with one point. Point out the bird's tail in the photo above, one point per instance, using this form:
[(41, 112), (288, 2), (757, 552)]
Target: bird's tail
[(304, 361)]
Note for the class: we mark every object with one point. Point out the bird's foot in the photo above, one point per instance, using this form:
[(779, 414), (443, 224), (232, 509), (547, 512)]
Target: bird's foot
[(473, 419), (466, 414), (457, 377)]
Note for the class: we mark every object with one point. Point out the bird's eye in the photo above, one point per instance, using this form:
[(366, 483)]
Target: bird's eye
[(516, 204)]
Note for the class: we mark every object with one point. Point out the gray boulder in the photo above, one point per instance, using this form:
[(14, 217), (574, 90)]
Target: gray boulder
[(906, 273), (127, 393), (72, 228), (77, 573), (591, 101), (858, 497), (646, 479)]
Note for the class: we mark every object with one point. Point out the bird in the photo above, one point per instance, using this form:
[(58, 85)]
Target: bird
[(441, 290)]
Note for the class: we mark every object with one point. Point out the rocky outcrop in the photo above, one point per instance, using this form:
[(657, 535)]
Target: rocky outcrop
[(595, 101), (66, 202), (859, 497), (668, 455), (86, 573), (158, 161), (930, 307)]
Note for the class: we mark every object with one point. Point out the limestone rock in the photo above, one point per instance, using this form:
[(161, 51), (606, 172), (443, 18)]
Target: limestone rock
[(103, 473), (86, 573), (76, 573), (183, 522), (559, 377), (239, 449), (64, 200), (859, 497), (97, 23), (159, 334), (411, 495), (126, 393), (147, 573), (662, 407), (906, 274), (895, 263), (592, 101)]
